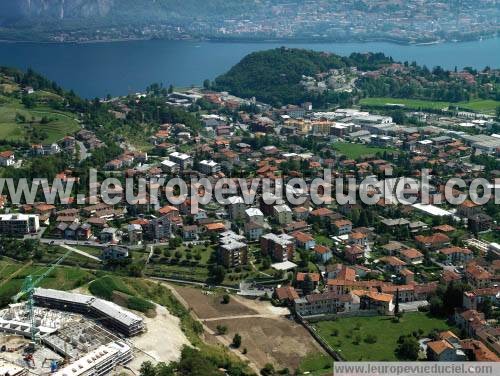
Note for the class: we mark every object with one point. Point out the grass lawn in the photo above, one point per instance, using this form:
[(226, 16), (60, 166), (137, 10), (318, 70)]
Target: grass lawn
[(408, 103), (487, 106), (355, 151), (323, 240), (492, 237), (478, 105), (317, 364), (62, 278), (386, 331), (60, 125)]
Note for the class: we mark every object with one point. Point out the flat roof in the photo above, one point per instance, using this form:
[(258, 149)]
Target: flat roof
[(285, 265), (431, 209)]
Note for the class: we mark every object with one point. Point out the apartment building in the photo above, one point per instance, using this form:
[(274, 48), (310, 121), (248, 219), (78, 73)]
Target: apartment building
[(280, 247), (209, 167), (184, 161), (19, 224)]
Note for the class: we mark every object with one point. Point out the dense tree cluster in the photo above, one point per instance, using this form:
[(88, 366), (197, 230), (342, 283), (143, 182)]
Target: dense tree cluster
[(274, 77)]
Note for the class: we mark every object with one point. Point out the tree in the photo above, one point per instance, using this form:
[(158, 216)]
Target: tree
[(396, 305), (194, 363), (308, 285), (218, 274), (236, 340), (221, 329), (268, 370), (28, 101), (436, 306), (163, 369), (453, 297), (147, 369), (225, 299), (206, 84), (408, 348)]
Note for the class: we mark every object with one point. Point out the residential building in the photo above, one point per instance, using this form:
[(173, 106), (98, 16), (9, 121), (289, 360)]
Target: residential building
[(114, 253), (184, 161), (411, 256), (253, 231), (447, 349), (283, 214), (477, 276), (303, 240), (170, 167), (326, 303), (7, 158), (232, 251), (344, 226), (254, 215), (236, 208), (457, 255), (322, 254), (280, 247), (435, 241), (19, 224), (209, 167)]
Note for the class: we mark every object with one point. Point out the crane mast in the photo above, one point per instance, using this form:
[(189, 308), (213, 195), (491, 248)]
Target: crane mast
[(30, 283)]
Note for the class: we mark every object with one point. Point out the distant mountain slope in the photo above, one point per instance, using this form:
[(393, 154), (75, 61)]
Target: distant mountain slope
[(393, 20), (21, 12)]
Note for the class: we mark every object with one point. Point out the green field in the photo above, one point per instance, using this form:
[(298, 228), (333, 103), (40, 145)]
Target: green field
[(355, 151), (317, 364), (63, 278), (386, 331), (60, 125), (487, 106)]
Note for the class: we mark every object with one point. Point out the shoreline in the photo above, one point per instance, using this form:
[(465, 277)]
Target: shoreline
[(259, 41)]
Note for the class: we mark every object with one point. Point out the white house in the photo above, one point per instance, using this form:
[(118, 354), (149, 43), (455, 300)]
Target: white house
[(7, 158)]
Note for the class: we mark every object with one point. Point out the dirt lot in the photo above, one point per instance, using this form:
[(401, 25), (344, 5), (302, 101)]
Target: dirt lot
[(268, 334), (163, 340), (279, 341), (207, 304)]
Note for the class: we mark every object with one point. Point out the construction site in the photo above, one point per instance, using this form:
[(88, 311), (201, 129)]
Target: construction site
[(64, 333), (70, 340)]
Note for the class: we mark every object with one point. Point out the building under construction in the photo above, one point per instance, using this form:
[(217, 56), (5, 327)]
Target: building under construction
[(109, 314), (75, 335)]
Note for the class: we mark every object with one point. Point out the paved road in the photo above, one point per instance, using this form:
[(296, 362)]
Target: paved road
[(236, 317), (85, 254), (84, 154), (193, 283), (88, 243)]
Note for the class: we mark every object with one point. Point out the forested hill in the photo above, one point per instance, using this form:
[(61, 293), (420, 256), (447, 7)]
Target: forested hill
[(294, 76), (274, 76)]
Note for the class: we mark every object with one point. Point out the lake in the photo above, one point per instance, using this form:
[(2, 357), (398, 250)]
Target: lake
[(119, 68)]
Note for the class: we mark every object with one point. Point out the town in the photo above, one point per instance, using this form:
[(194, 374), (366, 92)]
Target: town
[(429, 21), (393, 280)]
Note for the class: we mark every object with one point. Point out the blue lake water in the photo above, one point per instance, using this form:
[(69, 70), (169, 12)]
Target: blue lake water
[(120, 68)]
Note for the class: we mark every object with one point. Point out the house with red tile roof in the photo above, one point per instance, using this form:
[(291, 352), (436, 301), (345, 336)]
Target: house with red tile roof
[(457, 255), (477, 276), (434, 241)]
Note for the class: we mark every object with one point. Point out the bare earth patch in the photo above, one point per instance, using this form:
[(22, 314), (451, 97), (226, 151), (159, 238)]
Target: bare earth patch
[(163, 340), (268, 334), (279, 341), (207, 304)]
